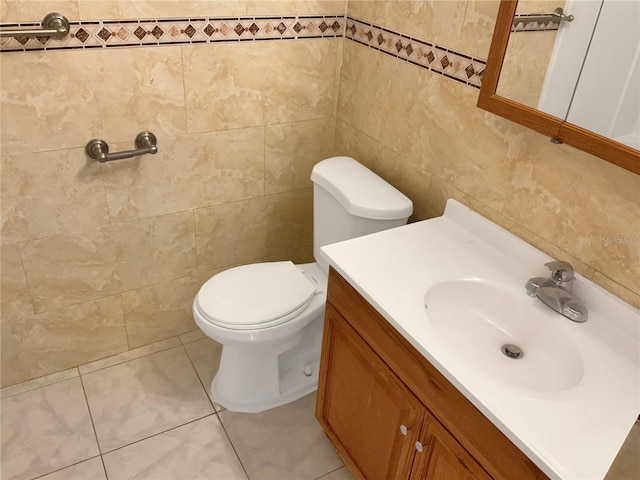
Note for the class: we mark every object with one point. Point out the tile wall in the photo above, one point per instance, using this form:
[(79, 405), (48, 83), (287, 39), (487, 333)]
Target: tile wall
[(99, 259), (424, 134)]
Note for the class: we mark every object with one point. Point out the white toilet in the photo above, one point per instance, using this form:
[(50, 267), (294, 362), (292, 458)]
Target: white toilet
[(269, 316)]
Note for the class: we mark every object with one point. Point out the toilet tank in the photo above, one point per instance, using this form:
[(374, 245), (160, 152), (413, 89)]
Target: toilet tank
[(349, 201)]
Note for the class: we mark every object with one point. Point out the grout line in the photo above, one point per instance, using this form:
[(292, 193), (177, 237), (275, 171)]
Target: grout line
[(93, 425), (233, 446), (184, 90), (124, 321), (264, 160), (134, 358), (40, 386), (159, 433), (329, 473), (67, 466), (199, 379), (26, 280)]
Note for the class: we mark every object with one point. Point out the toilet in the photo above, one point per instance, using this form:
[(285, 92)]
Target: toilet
[(269, 316)]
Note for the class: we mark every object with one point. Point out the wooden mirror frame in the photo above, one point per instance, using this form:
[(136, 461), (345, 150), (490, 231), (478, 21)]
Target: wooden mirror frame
[(554, 127)]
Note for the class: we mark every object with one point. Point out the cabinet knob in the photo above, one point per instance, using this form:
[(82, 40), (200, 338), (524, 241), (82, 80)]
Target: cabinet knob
[(404, 430), (419, 447)]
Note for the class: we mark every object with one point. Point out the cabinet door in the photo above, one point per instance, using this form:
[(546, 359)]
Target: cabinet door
[(442, 457), (362, 405)]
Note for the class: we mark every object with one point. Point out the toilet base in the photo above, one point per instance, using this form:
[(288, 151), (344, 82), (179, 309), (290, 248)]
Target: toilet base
[(305, 386), (255, 378)]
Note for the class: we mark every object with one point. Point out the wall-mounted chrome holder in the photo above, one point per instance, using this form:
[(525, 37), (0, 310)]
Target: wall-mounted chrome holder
[(98, 149), (54, 25), (558, 16)]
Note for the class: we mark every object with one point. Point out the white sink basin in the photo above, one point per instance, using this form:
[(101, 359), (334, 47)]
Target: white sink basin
[(476, 319)]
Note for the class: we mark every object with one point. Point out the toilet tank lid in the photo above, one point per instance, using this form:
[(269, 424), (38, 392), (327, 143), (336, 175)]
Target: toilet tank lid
[(360, 191)]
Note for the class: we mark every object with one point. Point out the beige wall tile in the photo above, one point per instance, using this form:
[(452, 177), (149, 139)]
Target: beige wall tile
[(124, 9), (585, 206), (189, 171), (48, 193), (56, 340), (522, 81), (14, 291), (111, 94), (617, 289), (71, 268), (359, 98), (403, 172), (477, 31), (231, 233), (35, 10), (291, 151), (295, 7), (287, 82), (159, 311), (297, 256), (252, 229), (471, 149), (437, 124), (435, 21), (192, 336), (289, 221)]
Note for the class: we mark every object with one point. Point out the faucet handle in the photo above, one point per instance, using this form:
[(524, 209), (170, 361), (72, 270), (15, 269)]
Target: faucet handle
[(561, 272)]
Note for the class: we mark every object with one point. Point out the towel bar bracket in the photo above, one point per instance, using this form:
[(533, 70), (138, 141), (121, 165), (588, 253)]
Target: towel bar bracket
[(54, 25), (98, 149)]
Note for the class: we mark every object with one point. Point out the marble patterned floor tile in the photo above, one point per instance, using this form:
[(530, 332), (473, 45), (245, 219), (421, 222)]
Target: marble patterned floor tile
[(198, 450), (130, 355), (38, 382), (340, 474), (282, 443), (89, 470), (205, 356), (44, 430), (144, 397)]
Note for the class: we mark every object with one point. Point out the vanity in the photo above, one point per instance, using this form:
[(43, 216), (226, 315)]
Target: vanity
[(414, 382)]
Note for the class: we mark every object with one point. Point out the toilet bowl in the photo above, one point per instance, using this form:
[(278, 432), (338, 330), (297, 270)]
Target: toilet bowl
[(269, 316)]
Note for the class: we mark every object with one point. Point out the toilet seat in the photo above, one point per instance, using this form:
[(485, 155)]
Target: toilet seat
[(256, 296)]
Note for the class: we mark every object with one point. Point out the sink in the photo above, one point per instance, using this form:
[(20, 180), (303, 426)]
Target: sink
[(489, 326), (471, 275)]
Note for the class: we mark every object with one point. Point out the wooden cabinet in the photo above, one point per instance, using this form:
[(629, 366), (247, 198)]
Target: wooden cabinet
[(391, 414), (365, 405)]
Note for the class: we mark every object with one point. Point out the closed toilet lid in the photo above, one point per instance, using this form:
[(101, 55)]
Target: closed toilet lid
[(254, 295)]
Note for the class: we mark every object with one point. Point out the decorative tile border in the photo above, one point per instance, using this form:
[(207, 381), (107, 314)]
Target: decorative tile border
[(182, 31), (524, 26), (444, 61)]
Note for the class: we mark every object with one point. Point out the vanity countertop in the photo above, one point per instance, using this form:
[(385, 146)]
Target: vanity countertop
[(571, 431)]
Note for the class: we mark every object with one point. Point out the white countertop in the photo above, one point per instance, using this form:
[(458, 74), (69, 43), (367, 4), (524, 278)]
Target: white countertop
[(569, 434)]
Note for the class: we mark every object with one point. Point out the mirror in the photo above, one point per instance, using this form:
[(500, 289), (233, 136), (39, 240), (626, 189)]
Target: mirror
[(568, 79)]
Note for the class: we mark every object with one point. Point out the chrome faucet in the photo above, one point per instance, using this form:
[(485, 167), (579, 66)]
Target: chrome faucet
[(555, 291)]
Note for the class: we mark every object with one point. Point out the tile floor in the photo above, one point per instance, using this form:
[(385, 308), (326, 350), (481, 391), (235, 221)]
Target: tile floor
[(148, 414)]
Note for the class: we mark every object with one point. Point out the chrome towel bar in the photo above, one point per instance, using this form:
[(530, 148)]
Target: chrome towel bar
[(53, 25), (556, 17), (98, 149)]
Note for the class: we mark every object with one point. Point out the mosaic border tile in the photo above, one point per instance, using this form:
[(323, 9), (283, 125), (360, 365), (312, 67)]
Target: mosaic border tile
[(184, 31), (179, 31), (441, 60)]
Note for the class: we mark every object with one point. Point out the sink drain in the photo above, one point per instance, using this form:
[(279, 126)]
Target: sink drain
[(512, 351)]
